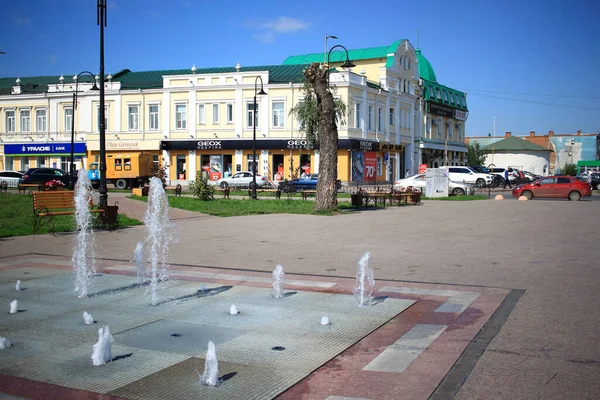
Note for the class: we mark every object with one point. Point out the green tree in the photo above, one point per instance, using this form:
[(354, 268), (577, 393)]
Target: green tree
[(569, 170), (475, 155), (200, 187), (318, 116)]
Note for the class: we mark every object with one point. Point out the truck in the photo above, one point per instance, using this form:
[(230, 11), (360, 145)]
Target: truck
[(124, 170)]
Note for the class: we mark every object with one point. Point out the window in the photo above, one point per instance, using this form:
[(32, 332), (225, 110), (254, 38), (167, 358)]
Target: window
[(105, 117), (24, 163), (180, 116), (153, 116), (438, 94), (430, 91), (215, 113), (134, 115), (357, 120), (449, 129), (68, 119), (379, 119), (40, 116), (25, 120), (428, 124), (41, 162), (9, 163), (278, 114), (252, 114), (392, 116), (230, 113), (379, 166), (563, 180), (201, 114), (370, 121), (445, 96), (10, 121)]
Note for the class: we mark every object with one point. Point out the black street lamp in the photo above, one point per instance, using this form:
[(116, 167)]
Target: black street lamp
[(346, 64), (254, 166), (102, 188), (94, 87)]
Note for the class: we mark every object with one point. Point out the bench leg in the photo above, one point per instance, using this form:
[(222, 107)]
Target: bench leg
[(39, 220)]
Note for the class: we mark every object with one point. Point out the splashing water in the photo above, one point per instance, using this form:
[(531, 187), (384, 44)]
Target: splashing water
[(325, 321), (278, 282), (4, 343), (18, 285), (160, 234), (138, 257), (14, 306), (84, 250), (103, 348), (363, 288), (87, 318), (210, 377), (233, 310)]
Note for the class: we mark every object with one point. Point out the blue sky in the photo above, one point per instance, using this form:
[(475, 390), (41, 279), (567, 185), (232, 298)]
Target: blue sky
[(534, 62)]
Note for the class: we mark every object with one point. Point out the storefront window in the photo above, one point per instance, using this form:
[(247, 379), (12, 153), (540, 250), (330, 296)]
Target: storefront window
[(304, 164), (181, 166), (205, 166), (24, 163)]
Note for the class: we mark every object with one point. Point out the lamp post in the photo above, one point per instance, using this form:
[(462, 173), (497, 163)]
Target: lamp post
[(102, 189), (94, 87), (325, 52), (346, 64), (254, 166)]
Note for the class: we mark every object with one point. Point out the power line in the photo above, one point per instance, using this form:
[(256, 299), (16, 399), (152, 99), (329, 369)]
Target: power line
[(530, 94), (537, 102)]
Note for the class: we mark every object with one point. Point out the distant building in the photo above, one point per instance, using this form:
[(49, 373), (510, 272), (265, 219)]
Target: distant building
[(514, 152)]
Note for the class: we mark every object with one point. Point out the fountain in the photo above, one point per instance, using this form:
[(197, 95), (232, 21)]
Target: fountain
[(138, 257), (159, 234), (4, 343), (14, 306), (83, 251), (210, 377), (233, 310), (278, 282), (87, 318), (363, 288), (18, 285), (103, 348), (325, 321)]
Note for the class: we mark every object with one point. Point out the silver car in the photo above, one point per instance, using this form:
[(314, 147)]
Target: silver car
[(418, 181)]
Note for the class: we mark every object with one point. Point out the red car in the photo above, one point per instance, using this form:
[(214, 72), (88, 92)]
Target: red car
[(554, 186)]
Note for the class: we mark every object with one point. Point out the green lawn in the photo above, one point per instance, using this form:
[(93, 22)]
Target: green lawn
[(16, 217)]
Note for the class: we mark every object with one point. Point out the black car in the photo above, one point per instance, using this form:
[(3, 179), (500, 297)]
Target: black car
[(497, 180), (43, 175), (595, 179)]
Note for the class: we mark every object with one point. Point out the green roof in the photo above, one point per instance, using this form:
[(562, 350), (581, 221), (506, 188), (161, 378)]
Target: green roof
[(368, 53), (425, 69), (31, 84), (433, 91), (514, 143)]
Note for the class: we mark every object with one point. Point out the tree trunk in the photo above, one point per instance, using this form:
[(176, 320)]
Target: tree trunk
[(326, 196)]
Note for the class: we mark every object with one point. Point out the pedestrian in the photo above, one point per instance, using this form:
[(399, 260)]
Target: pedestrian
[(407, 173), (506, 180)]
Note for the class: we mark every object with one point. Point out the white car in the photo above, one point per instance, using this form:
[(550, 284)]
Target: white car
[(418, 181), (11, 178), (467, 175), (241, 179)]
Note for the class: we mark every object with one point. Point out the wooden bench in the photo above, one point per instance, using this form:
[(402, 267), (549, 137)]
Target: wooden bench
[(375, 198), (414, 198), (307, 192), (276, 191), (29, 187), (49, 204), (224, 191)]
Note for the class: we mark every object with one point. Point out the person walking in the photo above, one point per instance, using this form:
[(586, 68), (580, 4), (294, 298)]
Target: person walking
[(506, 180)]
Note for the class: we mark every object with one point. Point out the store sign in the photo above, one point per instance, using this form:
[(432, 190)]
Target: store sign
[(389, 146), (209, 145), (297, 144), (460, 115), (43, 148), (122, 145), (441, 110)]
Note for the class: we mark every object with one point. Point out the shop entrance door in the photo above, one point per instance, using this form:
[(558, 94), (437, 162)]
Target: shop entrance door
[(277, 163)]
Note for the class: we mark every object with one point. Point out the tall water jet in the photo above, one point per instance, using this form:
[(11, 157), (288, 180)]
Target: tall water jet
[(4, 343), (18, 285), (87, 318), (138, 258), (159, 236), (83, 259), (103, 348), (278, 282), (363, 288), (14, 307), (210, 377)]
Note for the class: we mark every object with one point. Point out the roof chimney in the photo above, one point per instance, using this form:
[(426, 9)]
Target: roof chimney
[(578, 133), (507, 134), (551, 133), (531, 133)]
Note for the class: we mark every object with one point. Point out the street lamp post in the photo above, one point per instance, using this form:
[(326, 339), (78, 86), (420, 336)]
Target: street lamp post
[(254, 166), (325, 52), (346, 64), (102, 188), (94, 87)]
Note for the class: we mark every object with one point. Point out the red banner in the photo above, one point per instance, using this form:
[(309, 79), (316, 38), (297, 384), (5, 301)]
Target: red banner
[(370, 166), (215, 176), (422, 168)]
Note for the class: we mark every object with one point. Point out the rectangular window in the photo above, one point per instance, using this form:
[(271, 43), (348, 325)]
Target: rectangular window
[(10, 121), (9, 164), (278, 114), (25, 121), (428, 124), (41, 162), (24, 163), (134, 115), (98, 118), (380, 119), (357, 120), (68, 119), (392, 116), (181, 116), (215, 113), (153, 117), (370, 120), (40, 116), (201, 114), (252, 114), (230, 113)]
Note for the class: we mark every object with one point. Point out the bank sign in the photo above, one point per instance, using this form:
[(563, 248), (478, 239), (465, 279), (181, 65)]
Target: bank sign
[(39, 149)]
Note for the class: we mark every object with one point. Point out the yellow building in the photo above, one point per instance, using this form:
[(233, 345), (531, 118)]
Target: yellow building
[(203, 118)]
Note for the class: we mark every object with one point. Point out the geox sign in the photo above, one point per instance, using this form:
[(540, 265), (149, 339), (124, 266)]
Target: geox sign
[(297, 144), (209, 144)]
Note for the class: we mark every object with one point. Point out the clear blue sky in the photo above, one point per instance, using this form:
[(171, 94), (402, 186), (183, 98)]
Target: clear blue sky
[(534, 62)]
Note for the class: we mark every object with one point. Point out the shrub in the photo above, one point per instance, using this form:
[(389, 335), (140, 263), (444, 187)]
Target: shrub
[(569, 170), (201, 189)]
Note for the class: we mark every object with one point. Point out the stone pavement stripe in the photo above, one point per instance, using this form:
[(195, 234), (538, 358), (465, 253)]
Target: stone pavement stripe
[(345, 398), (459, 372), (398, 356), (458, 300)]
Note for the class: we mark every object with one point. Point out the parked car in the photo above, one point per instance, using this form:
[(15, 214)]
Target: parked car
[(11, 178), (530, 177), (500, 172), (468, 175), (240, 180), (554, 187), (418, 181), (43, 175), (595, 178), (306, 181)]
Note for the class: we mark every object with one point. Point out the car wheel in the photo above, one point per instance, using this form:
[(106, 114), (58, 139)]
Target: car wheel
[(574, 195), (480, 183), (528, 194), (121, 184), (458, 192), (224, 185)]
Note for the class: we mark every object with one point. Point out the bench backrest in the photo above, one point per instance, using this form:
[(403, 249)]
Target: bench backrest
[(52, 200)]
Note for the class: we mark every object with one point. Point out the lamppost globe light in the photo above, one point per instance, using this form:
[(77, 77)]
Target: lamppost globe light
[(254, 163)]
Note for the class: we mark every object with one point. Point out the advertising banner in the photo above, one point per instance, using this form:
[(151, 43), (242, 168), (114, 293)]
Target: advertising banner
[(422, 168), (358, 166), (370, 166)]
